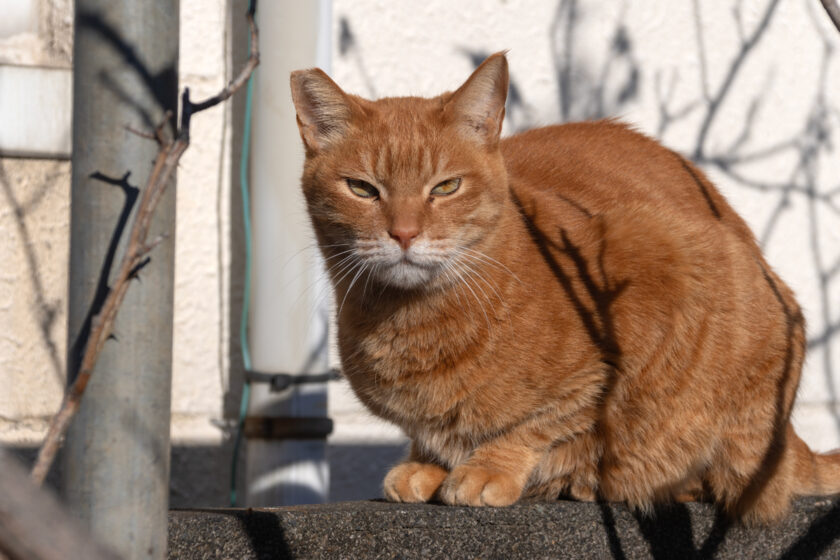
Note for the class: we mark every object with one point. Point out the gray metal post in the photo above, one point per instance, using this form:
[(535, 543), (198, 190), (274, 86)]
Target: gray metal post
[(116, 459)]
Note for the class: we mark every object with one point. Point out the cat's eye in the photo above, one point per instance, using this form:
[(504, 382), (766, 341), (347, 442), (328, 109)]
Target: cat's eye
[(447, 187), (362, 188)]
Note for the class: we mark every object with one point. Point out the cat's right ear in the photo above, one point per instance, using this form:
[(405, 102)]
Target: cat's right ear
[(323, 109)]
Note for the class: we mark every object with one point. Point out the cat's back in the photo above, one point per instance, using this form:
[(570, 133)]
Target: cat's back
[(597, 167)]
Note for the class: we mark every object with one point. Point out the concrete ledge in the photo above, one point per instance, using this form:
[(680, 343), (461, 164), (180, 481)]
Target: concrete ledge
[(375, 529)]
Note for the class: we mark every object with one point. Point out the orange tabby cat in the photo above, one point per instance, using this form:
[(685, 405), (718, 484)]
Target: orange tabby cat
[(574, 310)]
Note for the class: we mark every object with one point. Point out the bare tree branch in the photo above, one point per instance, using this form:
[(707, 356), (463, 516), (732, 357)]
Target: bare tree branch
[(165, 164), (833, 11)]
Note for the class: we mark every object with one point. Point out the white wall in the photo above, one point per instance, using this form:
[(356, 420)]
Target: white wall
[(660, 65)]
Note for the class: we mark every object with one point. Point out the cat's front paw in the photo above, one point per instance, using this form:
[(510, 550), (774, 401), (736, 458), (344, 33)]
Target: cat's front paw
[(413, 482), (469, 485)]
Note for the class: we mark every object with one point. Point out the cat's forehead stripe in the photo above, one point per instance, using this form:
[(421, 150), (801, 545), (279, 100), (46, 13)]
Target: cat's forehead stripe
[(380, 166), (404, 158), (366, 164), (425, 160)]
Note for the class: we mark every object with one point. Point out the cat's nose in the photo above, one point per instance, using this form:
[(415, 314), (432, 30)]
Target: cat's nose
[(404, 235)]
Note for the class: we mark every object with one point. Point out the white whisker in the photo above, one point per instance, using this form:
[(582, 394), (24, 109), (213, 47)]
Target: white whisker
[(474, 276), (488, 259), (487, 282), (327, 259), (454, 281), (457, 269), (371, 273), (348, 270), (336, 270), (352, 283)]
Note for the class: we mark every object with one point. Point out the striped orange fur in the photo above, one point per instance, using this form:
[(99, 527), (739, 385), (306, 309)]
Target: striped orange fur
[(571, 311)]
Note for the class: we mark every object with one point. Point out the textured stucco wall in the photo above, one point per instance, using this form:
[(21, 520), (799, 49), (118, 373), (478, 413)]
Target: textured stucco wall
[(48, 40), (760, 80), (34, 221)]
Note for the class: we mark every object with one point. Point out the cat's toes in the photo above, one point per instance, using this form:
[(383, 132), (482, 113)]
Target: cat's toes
[(413, 482), (476, 486)]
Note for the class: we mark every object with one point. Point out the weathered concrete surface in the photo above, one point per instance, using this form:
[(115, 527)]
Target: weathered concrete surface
[(375, 529)]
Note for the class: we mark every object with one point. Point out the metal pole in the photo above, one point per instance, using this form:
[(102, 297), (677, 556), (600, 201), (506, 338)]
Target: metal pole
[(289, 316), (116, 460)]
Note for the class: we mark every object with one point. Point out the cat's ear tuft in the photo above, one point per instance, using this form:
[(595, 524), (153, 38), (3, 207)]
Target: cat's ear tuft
[(478, 106), (323, 109)]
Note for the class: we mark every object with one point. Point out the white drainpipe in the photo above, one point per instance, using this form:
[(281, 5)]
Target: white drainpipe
[(289, 309)]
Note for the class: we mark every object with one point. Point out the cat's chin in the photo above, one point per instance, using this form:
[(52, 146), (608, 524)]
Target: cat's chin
[(407, 275)]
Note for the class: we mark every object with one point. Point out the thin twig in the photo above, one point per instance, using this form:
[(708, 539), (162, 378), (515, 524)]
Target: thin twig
[(189, 108), (166, 163), (833, 11), (140, 133), (154, 243)]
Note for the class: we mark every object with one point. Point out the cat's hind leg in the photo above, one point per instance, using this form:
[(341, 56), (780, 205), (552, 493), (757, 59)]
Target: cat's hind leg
[(754, 482), (569, 469), (660, 469)]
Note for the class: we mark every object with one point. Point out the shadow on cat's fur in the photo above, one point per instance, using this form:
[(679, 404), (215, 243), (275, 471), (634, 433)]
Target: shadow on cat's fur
[(599, 324)]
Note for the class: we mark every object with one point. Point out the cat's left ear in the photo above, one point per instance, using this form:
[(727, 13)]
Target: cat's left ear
[(478, 107), (323, 109)]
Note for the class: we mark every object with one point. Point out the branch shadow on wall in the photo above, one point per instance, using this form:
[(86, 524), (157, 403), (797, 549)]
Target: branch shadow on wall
[(348, 47), (46, 312), (586, 90)]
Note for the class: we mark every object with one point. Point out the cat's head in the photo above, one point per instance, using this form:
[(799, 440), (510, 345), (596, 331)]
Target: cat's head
[(405, 189)]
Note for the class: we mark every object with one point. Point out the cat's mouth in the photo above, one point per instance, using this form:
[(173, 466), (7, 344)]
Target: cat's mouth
[(407, 259)]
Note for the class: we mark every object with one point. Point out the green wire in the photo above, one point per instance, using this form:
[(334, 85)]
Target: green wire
[(246, 292)]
